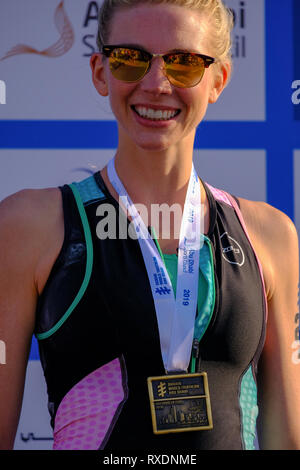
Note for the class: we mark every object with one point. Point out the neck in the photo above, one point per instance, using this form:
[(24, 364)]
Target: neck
[(155, 177)]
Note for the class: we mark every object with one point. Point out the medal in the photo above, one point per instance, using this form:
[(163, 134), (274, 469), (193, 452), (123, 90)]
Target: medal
[(180, 403)]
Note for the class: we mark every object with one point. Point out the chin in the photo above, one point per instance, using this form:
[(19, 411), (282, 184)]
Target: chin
[(155, 141), (154, 146)]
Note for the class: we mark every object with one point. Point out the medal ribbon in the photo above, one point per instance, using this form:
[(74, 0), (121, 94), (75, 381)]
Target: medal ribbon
[(175, 317)]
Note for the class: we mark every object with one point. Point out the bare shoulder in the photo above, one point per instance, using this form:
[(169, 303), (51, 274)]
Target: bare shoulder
[(34, 199), (274, 237), (265, 220), (31, 228), (29, 210)]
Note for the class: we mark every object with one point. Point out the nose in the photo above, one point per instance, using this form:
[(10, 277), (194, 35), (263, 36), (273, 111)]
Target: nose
[(155, 81)]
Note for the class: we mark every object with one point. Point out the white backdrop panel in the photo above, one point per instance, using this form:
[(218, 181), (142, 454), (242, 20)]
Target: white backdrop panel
[(42, 87), (240, 172), (46, 168)]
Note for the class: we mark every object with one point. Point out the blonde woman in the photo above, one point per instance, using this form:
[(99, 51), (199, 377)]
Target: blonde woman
[(151, 341)]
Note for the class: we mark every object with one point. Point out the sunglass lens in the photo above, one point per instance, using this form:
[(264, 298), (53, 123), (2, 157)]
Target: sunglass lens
[(128, 65), (184, 70)]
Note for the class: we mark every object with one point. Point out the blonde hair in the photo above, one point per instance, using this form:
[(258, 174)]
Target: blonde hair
[(219, 16)]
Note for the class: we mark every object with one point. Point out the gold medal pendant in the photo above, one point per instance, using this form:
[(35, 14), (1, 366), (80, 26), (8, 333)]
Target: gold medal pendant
[(180, 403)]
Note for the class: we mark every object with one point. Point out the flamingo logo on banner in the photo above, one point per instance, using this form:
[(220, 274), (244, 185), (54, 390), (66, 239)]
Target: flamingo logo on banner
[(60, 47)]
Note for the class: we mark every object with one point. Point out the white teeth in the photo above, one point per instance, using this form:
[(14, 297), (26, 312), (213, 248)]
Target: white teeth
[(162, 115)]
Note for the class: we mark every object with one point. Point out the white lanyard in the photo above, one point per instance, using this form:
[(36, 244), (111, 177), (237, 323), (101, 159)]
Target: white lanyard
[(175, 318)]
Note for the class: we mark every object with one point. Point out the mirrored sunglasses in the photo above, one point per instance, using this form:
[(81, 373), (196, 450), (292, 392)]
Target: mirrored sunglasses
[(183, 69)]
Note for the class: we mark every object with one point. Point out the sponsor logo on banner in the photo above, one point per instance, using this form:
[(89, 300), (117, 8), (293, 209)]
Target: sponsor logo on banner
[(60, 47), (239, 39), (89, 26), (31, 436), (296, 82)]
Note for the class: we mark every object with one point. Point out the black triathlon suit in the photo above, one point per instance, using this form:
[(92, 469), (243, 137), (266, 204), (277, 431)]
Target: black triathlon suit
[(99, 341)]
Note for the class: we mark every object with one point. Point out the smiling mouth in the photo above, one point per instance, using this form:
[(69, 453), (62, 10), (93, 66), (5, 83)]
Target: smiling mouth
[(155, 114)]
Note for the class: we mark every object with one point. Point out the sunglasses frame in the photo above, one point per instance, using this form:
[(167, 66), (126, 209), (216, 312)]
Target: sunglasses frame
[(108, 49)]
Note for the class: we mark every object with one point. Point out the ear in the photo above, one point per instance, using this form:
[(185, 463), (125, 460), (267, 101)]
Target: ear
[(99, 73), (221, 78)]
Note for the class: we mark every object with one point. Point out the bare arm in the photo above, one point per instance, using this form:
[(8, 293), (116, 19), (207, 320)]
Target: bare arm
[(276, 240), (24, 234)]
